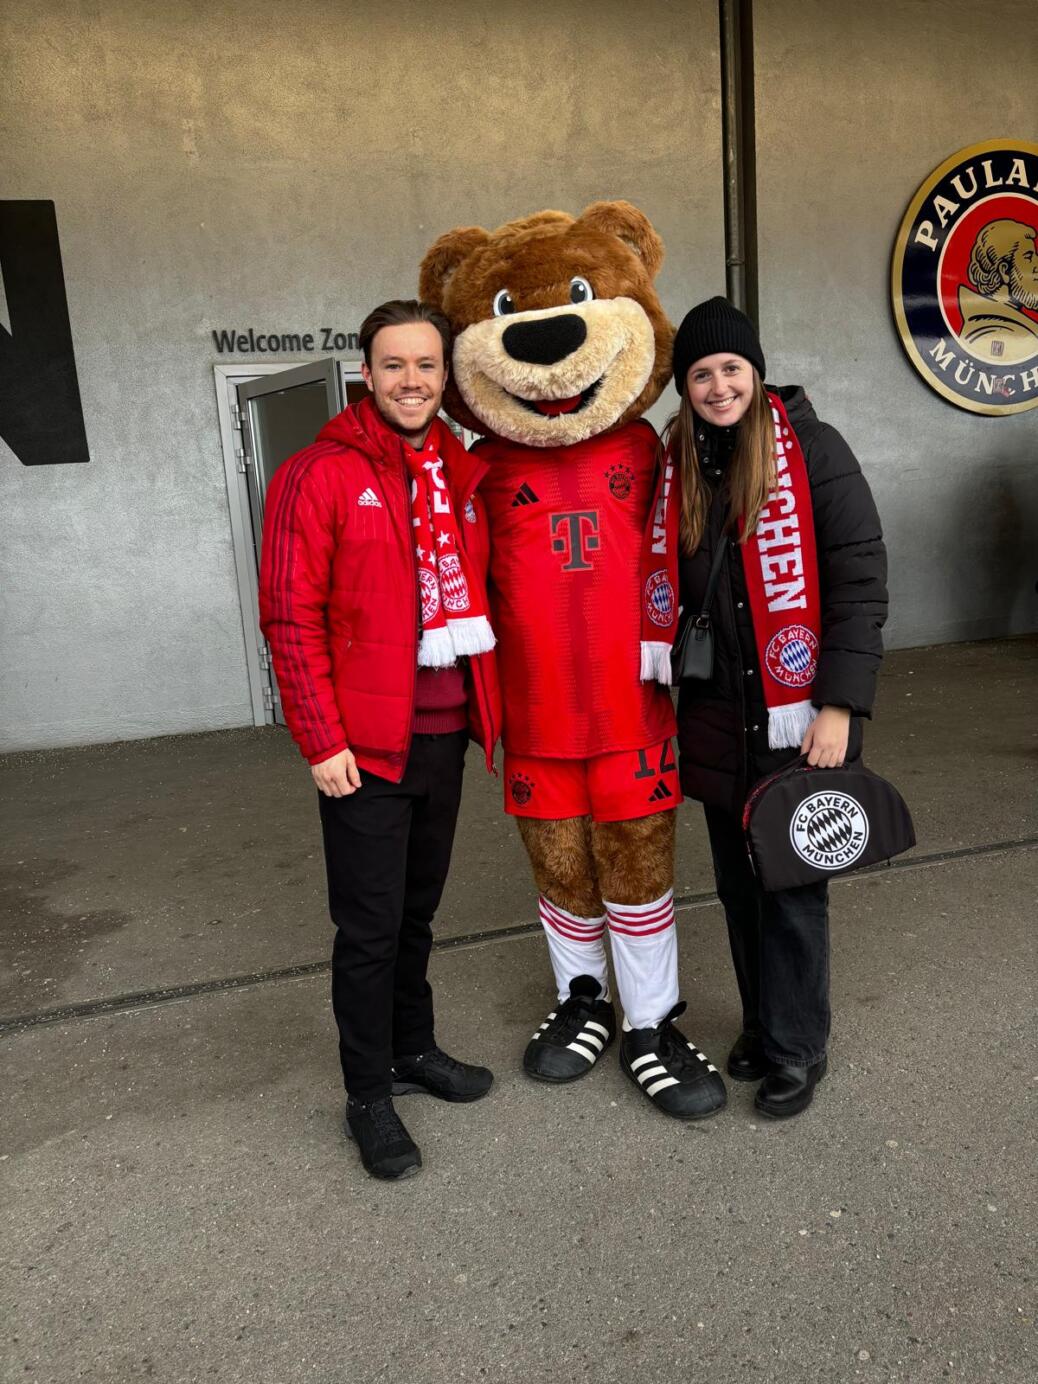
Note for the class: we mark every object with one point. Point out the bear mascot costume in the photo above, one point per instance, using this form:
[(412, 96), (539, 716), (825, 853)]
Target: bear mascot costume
[(560, 345)]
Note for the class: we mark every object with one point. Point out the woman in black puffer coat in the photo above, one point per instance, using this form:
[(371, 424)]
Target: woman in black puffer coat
[(723, 439)]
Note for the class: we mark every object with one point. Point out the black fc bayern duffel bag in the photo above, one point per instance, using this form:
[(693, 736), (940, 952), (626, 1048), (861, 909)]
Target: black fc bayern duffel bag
[(805, 824)]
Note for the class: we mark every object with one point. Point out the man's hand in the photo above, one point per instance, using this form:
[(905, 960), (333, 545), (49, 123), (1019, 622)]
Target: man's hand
[(338, 777), (825, 743)]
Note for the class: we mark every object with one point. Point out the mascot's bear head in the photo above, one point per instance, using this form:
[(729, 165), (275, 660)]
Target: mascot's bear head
[(559, 334)]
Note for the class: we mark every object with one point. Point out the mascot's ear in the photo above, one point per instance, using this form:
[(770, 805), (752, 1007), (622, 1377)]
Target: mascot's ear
[(442, 259), (628, 224)]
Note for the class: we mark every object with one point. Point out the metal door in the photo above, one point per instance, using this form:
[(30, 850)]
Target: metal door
[(280, 414)]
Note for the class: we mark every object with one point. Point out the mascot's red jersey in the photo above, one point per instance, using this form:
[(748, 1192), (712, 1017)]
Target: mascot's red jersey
[(566, 528)]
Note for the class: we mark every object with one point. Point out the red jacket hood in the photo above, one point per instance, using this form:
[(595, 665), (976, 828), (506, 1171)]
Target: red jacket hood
[(363, 429)]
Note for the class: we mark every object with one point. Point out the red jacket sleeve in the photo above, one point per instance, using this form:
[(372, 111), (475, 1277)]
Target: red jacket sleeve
[(299, 540)]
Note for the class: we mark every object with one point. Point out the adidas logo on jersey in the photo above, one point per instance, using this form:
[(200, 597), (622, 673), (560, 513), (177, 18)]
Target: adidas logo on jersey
[(525, 496), (660, 792), (369, 498)]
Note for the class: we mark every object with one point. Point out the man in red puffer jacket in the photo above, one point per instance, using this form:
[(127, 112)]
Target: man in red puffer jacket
[(373, 600)]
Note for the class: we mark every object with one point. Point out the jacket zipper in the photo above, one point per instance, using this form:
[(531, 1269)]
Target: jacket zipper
[(414, 616), (733, 625), (483, 701)]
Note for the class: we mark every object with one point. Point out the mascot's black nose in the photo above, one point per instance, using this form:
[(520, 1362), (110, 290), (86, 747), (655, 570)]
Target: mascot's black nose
[(545, 340)]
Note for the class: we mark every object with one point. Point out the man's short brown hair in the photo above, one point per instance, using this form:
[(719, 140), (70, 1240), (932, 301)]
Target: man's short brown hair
[(397, 313)]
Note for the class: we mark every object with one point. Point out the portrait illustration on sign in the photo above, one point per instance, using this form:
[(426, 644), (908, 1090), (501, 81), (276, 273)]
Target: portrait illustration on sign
[(964, 279), (999, 305)]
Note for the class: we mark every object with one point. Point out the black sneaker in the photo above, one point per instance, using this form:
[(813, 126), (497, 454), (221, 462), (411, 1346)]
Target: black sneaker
[(386, 1148), (439, 1075), (672, 1072), (572, 1037)]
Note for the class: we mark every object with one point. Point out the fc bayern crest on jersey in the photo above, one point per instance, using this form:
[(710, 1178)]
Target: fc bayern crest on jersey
[(964, 279), (521, 789), (792, 656), (470, 511), (620, 480), (829, 830), (659, 599), (430, 594), (454, 586)]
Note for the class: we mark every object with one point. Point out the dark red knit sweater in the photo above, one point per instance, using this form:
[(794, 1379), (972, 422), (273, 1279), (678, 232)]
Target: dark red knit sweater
[(441, 701)]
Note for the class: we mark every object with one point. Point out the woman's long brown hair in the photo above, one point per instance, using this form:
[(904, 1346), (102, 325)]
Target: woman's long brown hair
[(751, 473)]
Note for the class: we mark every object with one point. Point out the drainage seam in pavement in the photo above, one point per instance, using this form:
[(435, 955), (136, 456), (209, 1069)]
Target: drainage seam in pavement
[(150, 999)]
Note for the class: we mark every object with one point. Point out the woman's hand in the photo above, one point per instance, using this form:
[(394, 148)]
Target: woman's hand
[(825, 743)]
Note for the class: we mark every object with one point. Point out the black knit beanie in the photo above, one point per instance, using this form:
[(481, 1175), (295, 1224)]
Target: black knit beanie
[(711, 327)]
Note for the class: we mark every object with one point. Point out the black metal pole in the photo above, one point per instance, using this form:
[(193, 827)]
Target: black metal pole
[(738, 136)]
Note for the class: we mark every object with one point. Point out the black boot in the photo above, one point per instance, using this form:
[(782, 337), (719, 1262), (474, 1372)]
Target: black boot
[(746, 1061), (788, 1090), (386, 1149), (573, 1036)]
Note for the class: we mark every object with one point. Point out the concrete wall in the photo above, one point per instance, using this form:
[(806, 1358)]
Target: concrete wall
[(285, 168), (269, 164), (856, 105)]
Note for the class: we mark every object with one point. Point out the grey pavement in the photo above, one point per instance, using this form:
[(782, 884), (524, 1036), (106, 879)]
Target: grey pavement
[(180, 1204)]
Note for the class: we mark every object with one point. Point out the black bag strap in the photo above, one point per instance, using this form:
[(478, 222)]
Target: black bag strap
[(703, 618)]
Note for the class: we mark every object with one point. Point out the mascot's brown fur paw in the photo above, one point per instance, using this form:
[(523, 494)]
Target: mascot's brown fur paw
[(634, 860), (563, 864)]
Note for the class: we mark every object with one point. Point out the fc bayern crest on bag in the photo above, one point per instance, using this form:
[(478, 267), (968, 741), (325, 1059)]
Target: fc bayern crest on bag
[(804, 824), (829, 830), (964, 279)]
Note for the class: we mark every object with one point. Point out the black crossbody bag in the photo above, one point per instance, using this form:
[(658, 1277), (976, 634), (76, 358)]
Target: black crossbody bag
[(805, 824), (693, 653)]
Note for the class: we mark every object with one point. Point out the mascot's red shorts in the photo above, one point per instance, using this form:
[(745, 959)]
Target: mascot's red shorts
[(607, 787)]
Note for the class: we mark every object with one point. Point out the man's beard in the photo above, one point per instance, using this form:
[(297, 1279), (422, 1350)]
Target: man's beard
[(1026, 297)]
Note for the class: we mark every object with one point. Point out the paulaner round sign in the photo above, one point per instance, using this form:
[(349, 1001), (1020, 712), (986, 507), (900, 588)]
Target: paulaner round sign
[(964, 280)]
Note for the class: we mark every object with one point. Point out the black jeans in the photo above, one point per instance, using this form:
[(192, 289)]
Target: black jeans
[(780, 949), (387, 848)]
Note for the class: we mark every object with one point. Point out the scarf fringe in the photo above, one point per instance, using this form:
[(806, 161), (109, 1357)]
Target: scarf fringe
[(655, 665), (436, 649), (472, 635), (787, 725), (461, 638)]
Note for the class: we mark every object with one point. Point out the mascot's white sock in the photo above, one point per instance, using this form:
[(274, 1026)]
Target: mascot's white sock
[(645, 958), (576, 947)]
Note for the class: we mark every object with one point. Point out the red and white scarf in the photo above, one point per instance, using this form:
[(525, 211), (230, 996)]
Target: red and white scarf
[(454, 617), (780, 564), (659, 575)]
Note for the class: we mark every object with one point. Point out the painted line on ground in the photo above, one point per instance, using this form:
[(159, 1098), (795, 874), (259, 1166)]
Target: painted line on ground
[(151, 999)]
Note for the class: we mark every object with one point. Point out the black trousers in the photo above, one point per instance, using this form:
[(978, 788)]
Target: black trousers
[(387, 848), (780, 949)]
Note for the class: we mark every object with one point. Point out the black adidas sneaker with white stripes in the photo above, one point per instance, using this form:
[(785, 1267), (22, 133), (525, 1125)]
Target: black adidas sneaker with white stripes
[(572, 1037), (672, 1072)]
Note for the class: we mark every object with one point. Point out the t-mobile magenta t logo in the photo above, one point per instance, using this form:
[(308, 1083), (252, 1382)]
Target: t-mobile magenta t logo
[(575, 536)]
